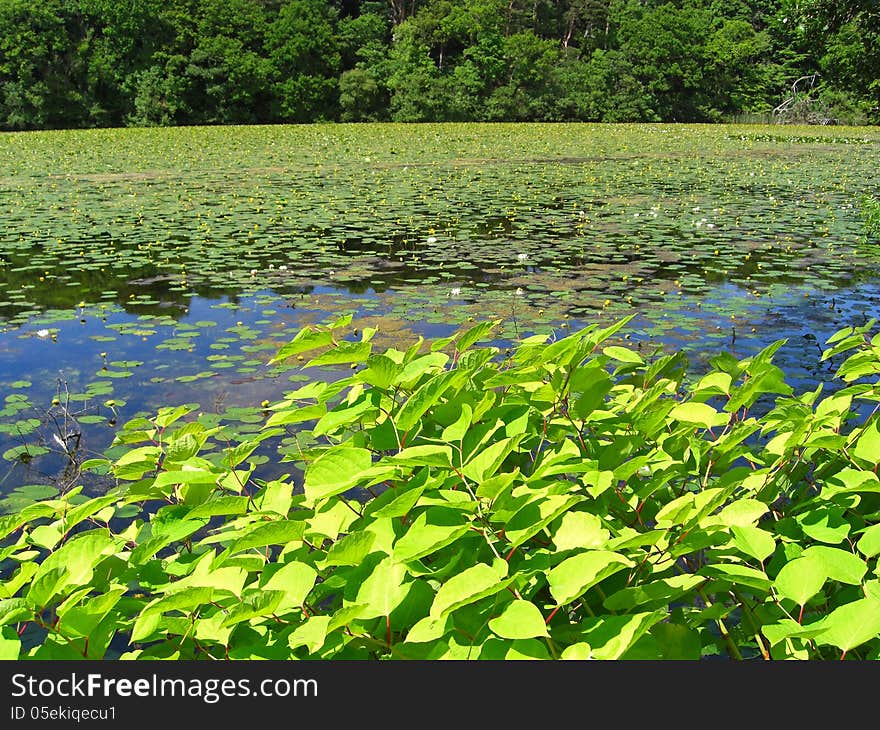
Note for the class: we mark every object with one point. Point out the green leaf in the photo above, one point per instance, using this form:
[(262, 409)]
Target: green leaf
[(470, 585), (424, 397), (335, 471), (664, 590), (742, 513), (754, 541), (519, 620), (312, 634), (609, 637), (851, 625), (677, 642), (343, 353), (622, 354), (869, 542), (475, 334), (536, 515), (431, 530), (698, 414), (825, 524), (575, 575), (280, 532), (800, 580), (737, 574), (79, 555), (260, 603), (380, 372), (295, 580), (425, 455), (306, 339), (13, 610), (485, 463), (9, 648), (592, 385), (350, 550), (838, 564), (383, 590), (580, 530), (867, 446)]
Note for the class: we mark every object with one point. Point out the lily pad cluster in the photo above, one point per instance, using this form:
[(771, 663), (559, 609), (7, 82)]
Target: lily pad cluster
[(154, 266)]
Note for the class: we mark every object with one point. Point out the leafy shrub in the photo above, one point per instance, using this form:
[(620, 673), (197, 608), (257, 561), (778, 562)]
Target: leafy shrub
[(871, 217), (566, 499)]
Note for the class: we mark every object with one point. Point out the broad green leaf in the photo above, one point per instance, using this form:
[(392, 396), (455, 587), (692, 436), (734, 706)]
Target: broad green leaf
[(185, 601), (580, 530), (475, 334), (742, 513), (383, 590), (280, 532), (429, 628), (536, 515), (579, 651), (13, 610), (737, 574), (9, 648), (609, 637), (867, 446), (260, 603), (470, 585), (519, 620), (486, 462), (622, 354), (456, 431), (788, 628), (664, 590), (343, 353), (295, 580), (290, 416), (431, 530), (425, 455), (825, 525), (380, 372), (869, 542), (840, 565), (350, 550), (698, 414), (423, 398), (311, 634), (754, 541), (335, 471), (801, 579), (677, 642), (575, 575), (79, 555), (851, 625), (306, 339)]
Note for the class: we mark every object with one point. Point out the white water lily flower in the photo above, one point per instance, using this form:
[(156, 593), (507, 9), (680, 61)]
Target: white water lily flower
[(522, 256), (282, 268), (432, 239), (519, 291), (42, 333), (455, 291)]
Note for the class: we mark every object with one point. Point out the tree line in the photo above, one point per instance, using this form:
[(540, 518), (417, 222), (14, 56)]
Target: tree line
[(99, 63)]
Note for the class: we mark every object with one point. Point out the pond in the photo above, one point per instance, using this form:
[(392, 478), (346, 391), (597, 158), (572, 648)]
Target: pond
[(149, 267)]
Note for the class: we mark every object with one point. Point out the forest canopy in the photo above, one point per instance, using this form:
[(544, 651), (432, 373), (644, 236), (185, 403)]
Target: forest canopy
[(103, 63)]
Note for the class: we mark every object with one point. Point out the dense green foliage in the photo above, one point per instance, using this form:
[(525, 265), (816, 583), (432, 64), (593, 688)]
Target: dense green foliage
[(565, 499), (86, 63)]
